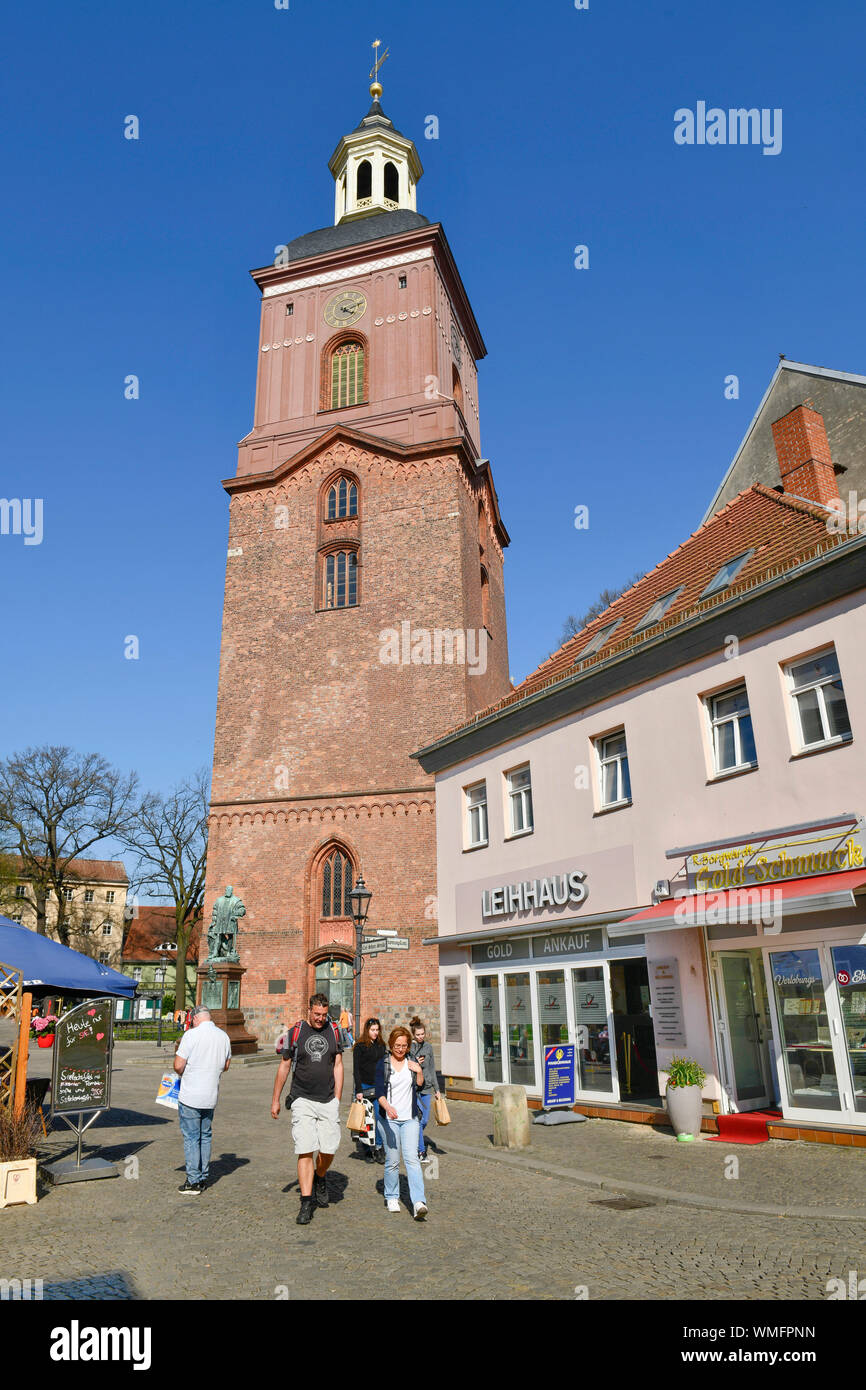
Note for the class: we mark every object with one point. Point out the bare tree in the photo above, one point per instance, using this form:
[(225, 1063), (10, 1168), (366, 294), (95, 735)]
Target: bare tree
[(573, 625), (55, 805), (170, 840)]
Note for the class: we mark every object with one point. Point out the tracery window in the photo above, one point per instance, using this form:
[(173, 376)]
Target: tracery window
[(336, 885)]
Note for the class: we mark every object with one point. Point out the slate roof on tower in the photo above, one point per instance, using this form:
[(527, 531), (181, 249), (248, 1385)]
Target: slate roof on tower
[(326, 239), (376, 117)]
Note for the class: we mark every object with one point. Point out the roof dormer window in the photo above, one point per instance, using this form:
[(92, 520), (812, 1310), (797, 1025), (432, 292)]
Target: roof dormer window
[(727, 574), (659, 609)]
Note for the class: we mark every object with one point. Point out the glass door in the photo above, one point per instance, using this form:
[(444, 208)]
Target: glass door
[(634, 1035), (744, 1031)]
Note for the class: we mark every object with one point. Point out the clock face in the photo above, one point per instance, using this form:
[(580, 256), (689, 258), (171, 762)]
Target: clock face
[(346, 307), (456, 350)]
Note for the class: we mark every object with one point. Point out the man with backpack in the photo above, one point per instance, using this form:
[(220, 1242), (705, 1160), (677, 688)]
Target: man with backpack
[(313, 1052)]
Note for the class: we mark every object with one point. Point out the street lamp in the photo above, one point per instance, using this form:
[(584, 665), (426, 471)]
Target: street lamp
[(360, 899)]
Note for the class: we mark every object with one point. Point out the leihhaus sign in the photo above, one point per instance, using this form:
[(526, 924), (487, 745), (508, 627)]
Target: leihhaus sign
[(560, 890), (773, 861)]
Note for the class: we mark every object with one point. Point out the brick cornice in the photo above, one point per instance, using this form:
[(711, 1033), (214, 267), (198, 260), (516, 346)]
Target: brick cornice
[(335, 447)]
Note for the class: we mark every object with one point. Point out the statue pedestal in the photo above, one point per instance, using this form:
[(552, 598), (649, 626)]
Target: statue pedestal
[(223, 997)]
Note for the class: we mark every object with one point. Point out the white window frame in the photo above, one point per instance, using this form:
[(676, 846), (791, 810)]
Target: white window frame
[(522, 797), (604, 761), (20, 890), (104, 957), (106, 929), (88, 895), (716, 722), (482, 818), (109, 896), (829, 740), (137, 971), (68, 894)]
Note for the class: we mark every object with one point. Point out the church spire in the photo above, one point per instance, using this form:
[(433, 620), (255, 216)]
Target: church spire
[(375, 168)]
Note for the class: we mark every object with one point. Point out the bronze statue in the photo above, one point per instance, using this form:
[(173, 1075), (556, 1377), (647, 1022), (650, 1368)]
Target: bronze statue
[(222, 936)]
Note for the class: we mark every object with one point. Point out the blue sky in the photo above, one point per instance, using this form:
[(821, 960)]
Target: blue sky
[(602, 387)]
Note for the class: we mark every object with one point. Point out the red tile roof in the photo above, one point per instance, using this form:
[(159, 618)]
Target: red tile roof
[(87, 870), (782, 530), (149, 929)]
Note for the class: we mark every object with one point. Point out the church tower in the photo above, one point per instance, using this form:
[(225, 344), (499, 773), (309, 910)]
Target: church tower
[(364, 604)]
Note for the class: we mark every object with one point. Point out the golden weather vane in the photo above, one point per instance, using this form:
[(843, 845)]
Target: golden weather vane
[(376, 88)]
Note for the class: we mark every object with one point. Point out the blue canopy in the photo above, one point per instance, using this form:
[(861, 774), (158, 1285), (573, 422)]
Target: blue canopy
[(47, 965)]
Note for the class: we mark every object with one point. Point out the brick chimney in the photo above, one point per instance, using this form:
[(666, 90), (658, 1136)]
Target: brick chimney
[(804, 454)]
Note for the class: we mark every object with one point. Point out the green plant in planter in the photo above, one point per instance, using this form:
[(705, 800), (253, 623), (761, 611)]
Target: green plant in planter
[(682, 1071), (18, 1133)]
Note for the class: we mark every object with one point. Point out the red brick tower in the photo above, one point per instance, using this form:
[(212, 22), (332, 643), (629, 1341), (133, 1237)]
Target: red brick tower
[(364, 604)]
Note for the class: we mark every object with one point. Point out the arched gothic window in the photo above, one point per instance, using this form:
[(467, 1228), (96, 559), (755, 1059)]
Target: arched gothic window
[(342, 500), (365, 179), (392, 183), (347, 375), (340, 576), (336, 885)]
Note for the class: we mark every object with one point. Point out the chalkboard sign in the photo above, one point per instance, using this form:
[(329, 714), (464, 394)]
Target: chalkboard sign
[(81, 1079)]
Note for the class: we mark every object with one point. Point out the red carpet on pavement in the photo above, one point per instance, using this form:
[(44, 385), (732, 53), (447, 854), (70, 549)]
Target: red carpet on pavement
[(745, 1129)]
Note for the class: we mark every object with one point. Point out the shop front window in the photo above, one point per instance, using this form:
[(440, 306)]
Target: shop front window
[(807, 1046), (593, 1036), (489, 1028), (849, 966), (518, 1019), (552, 1007)]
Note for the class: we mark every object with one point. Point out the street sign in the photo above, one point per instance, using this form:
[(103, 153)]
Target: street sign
[(386, 931), (397, 943), (372, 946)]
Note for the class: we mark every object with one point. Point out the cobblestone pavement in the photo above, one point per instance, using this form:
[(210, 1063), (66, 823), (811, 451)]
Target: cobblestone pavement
[(495, 1230)]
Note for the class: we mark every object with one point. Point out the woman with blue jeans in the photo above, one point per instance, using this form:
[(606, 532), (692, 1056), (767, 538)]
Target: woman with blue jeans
[(398, 1081)]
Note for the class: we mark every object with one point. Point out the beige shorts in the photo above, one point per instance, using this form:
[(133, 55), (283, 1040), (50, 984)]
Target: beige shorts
[(316, 1126)]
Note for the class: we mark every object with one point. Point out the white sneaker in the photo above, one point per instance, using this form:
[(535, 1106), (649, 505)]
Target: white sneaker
[(420, 1211), (392, 1204)]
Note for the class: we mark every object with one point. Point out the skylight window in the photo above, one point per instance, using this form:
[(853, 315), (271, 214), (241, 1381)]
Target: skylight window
[(596, 643), (658, 609), (727, 574)]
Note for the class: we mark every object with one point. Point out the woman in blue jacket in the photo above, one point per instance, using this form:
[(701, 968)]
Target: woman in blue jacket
[(398, 1082)]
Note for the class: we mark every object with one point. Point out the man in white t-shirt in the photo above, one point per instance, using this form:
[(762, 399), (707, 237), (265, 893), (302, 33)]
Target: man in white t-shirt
[(203, 1054)]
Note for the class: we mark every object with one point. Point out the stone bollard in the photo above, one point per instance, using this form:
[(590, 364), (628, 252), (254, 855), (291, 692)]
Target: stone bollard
[(511, 1129)]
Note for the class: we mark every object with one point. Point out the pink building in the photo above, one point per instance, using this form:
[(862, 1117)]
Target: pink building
[(654, 845)]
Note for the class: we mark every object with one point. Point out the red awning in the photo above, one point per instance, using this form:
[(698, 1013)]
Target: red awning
[(765, 902)]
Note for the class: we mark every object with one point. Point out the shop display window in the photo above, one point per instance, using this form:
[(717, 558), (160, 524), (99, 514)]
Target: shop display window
[(489, 1028), (552, 1007), (518, 1019), (807, 1047), (593, 1036), (849, 967)]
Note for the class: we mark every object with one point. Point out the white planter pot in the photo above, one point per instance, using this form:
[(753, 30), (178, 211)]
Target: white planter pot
[(17, 1182), (684, 1110)]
